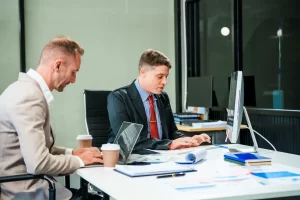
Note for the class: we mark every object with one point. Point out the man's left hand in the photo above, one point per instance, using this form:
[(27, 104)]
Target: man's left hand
[(202, 138), (93, 150)]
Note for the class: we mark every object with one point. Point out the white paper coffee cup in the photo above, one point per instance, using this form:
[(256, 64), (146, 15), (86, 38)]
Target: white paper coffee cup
[(84, 137), (110, 154), (110, 147), (84, 141)]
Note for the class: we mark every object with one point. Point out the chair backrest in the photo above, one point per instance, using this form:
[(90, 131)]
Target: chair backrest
[(96, 116)]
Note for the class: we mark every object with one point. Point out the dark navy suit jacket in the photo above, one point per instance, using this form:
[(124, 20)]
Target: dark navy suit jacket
[(125, 104)]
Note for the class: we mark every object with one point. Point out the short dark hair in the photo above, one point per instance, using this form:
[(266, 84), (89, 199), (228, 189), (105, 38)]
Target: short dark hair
[(154, 58)]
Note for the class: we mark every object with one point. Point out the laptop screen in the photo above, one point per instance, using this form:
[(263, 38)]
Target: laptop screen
[(127, 137)]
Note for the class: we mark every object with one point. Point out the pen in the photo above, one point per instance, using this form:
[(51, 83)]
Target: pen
[(171, 175)]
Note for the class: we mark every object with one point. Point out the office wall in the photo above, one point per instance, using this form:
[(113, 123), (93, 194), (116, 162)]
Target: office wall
[(113, 33), (9, 43)]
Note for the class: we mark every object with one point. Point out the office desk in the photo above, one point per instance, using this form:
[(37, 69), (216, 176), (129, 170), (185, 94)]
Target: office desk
[(122, 187), (217, 135)]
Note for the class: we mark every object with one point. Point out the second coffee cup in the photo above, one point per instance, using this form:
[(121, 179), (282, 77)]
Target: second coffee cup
[(110, 154), (84, 141)]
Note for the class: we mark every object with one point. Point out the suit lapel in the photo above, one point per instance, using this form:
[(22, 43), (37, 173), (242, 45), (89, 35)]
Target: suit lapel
[(137, 102), (161, 109)]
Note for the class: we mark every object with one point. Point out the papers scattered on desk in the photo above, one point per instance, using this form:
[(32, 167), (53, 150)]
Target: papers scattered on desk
[(153, 158), (153, 169), (209, 124), (193, 157)]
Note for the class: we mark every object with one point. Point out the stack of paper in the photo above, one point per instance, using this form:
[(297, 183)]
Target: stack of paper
[(152, 169), (210, 124)]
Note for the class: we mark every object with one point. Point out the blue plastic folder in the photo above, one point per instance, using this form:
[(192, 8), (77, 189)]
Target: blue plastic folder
[(246, 157), (280, 174)]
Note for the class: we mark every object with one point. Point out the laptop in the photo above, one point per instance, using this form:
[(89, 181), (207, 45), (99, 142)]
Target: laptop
[(127, 137)]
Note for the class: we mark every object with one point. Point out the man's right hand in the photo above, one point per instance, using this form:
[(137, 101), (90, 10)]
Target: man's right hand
[(91, 156), (184, 142)]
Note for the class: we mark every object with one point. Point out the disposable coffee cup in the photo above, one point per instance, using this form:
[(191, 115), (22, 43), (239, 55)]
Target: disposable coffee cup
[(84, 141), (110, 154)]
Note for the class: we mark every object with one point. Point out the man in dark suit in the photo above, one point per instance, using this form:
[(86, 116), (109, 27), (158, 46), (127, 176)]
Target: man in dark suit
[(145, 102)]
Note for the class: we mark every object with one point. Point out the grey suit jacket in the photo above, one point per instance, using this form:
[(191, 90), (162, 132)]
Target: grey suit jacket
[(26, 142)]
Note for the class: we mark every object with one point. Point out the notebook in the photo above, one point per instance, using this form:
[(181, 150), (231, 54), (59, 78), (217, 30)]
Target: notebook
[(247, 158), (127, 137), (152, 169)]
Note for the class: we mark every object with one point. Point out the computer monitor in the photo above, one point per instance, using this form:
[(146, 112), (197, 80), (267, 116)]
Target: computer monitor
[(235, 112), (249, 90), (200, 91), (235, 106)]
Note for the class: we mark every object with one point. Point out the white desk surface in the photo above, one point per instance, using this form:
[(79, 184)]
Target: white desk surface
[(122, 187)]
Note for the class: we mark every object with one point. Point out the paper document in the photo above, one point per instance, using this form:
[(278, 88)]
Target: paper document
[(153, 158), (209, 124), (194, 157), (153, 169)]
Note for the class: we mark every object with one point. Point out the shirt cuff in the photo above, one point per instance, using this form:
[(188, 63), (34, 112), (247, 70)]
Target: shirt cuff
[(81, 162), (68, 151)]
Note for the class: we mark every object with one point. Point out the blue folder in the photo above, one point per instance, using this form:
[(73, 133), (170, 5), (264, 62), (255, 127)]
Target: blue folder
[(246, 157)]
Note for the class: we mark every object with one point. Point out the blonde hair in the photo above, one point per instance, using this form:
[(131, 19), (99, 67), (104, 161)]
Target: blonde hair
[(61, 45)]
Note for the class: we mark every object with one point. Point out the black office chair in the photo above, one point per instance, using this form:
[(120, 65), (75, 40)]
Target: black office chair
[(97, 123), (24, 177), (96, 116)]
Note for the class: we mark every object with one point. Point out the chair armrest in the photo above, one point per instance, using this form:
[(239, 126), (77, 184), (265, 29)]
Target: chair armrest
[(24, 177)]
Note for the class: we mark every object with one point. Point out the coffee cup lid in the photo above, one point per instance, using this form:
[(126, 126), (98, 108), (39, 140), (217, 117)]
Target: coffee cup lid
[(110, 147), (84, 137)]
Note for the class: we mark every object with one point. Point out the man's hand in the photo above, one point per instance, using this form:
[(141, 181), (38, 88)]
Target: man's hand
[(184, 142), (89, 155), (202, 138)]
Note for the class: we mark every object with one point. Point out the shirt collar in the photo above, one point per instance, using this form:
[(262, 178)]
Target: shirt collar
[(46, 91), (144, 95)]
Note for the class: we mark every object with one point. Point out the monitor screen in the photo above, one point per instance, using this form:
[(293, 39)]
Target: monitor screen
[(235, 106), (200, 91)]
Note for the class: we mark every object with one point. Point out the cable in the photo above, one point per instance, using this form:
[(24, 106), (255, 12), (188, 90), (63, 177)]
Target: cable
[(264, 139)]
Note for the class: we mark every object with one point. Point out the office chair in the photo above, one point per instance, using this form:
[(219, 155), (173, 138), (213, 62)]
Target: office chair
[(97, 121), (96, 116), (24, 177)]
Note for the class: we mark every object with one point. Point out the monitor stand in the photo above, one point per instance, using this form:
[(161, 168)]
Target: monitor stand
[(253, 149)]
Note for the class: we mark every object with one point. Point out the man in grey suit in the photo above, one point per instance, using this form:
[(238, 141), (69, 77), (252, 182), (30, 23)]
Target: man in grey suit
[(26, 138)]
